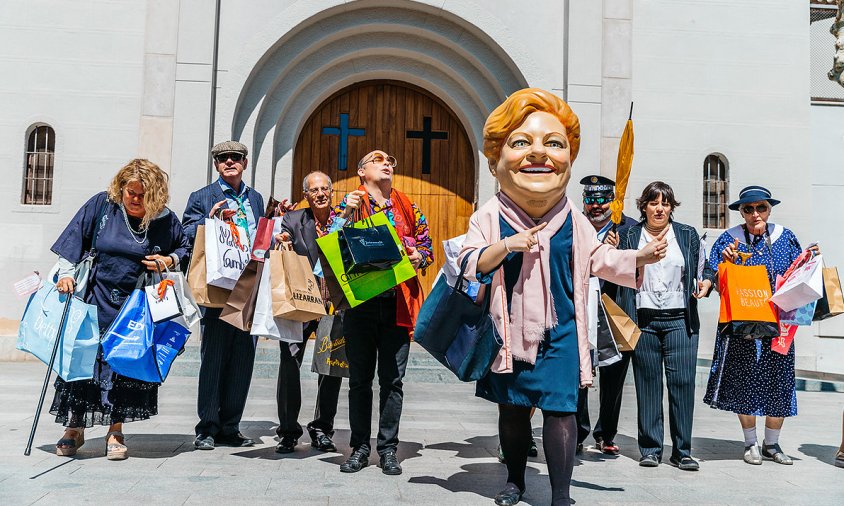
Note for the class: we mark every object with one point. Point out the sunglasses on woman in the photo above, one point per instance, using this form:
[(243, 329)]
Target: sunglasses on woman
[(224, 157), (760, 208)]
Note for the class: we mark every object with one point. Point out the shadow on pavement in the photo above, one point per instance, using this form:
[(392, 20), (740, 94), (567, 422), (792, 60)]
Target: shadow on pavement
[(141, 446), (824, 453)]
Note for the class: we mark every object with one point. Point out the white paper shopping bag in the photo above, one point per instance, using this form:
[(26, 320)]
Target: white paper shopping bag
[(226, 252), (803, 286), (162, 307)]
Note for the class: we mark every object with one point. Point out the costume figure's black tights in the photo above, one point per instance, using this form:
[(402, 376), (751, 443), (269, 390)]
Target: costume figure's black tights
[(559, 439)]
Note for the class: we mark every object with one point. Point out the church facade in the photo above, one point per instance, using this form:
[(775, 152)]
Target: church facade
[(722, 99)]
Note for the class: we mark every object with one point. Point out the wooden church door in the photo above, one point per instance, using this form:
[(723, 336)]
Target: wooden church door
[(436, 166)]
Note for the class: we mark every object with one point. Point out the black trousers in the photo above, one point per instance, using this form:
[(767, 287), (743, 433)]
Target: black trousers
[(665, 342), (373, 339), (289, 393), (225, 372), (611, 383)]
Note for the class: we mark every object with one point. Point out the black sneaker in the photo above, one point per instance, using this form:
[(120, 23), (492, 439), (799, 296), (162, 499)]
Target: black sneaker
[(286, 445), (204, 442), (389, 463), (356, 461), (684, 463)]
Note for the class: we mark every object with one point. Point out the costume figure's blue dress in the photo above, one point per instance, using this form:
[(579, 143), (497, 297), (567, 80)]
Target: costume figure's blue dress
[(552, 383)]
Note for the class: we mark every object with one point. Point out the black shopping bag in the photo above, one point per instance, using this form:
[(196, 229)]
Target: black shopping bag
[(608, 353), (330, 348), (368, 249)]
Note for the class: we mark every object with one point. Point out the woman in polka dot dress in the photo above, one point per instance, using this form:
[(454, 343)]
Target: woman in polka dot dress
[(748, 378)]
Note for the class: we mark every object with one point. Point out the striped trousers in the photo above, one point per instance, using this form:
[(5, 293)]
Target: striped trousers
[(666, 343), (225, 372)]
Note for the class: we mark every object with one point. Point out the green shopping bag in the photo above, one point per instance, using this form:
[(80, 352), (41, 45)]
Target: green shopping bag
[(360, 287)]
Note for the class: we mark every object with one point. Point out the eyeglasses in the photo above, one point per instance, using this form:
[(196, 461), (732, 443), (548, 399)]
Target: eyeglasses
[(224, 157), (597, 200), (760, 208), (380, 159), (317, 191)]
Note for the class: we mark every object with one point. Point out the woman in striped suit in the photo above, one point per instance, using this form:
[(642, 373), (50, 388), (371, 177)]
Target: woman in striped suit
[(665, 308)]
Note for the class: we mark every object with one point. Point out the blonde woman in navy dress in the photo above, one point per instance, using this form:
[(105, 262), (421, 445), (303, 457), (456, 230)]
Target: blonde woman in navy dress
[(134, 231), (748, 378)]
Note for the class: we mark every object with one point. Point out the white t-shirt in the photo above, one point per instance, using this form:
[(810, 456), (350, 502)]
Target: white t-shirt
[(662, 285)]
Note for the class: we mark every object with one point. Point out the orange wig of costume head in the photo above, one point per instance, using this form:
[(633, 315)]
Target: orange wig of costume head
[(518, 106)]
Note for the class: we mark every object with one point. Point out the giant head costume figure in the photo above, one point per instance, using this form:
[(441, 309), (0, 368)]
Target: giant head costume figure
[(530, 141)]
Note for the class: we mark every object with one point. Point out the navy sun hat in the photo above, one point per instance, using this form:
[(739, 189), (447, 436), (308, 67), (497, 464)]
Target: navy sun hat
[(753, 194)]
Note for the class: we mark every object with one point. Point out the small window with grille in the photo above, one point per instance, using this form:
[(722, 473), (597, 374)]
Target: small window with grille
[(38, 173), (821, 54), (716, 181)]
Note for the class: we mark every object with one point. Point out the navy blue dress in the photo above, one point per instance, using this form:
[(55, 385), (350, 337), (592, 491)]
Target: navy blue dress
[(111, 398), (550, 384), (746, 376)]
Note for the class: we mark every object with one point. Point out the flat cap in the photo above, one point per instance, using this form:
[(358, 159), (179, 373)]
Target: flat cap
[(229, 147)]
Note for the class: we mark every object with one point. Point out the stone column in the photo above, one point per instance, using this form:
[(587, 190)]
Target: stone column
[(616, 79)]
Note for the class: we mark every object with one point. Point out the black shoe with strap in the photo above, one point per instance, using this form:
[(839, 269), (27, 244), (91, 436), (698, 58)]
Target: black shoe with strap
[(356, 461), (684, 463), (323, 443)]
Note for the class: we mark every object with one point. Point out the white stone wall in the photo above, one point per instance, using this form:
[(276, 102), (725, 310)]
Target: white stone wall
[(77, 66)]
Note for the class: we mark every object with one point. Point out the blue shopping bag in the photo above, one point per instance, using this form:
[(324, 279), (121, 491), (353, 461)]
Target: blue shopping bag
[(136, 348), (801, 316), (80, 336)]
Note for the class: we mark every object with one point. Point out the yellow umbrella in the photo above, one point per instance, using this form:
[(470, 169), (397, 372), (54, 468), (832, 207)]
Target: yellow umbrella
[(623, 166)]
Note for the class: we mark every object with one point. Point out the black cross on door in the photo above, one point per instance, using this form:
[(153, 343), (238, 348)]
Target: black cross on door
[(427, 135)]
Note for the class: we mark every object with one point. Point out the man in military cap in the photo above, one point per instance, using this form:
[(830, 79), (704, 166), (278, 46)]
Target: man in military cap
[(598, 193), (227, 353)]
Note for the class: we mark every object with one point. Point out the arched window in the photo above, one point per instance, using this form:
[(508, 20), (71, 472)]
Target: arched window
[(40, 159), (716, 181)]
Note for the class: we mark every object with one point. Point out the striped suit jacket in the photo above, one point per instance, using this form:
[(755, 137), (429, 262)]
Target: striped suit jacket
[(689, 241), (202, 200)]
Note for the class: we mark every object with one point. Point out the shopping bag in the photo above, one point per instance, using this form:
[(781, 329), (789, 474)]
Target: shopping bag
[(746, 310), (263, 323), (457, 331), (803, 284), (330, 348), (263, 239), (367, 248), (295, 291), (624, 331), (190, 309), (832, 302), (607, 348), (782, 343), (350, 289), (80, 336), (226, 252), (128, 342), (204, 294), (240, 306), (800, 316), (162, 300)]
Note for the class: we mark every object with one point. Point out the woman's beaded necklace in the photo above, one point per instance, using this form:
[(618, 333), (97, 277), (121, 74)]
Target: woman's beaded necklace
[(132, 230)]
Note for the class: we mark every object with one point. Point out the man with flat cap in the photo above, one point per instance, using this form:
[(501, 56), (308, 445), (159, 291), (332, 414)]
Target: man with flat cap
[(227, 353), (598, 193)]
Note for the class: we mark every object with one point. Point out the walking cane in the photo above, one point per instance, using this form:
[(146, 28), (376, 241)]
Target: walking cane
[(49, 373)]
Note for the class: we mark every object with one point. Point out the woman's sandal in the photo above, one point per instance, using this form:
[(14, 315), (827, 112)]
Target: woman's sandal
[(116, 451), (67, 447)]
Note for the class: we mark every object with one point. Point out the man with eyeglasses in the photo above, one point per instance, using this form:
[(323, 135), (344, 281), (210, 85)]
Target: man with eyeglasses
[(227, 353), (377, 331), (598, 193), (302, 228)]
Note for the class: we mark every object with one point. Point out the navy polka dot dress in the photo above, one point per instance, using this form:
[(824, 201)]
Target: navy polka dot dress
[(746, 376)]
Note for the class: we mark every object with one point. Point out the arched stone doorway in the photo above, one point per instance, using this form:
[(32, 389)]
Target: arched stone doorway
[(436, 164)]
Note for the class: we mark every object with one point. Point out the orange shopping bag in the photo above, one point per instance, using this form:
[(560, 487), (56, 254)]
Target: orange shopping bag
[(746, 309)]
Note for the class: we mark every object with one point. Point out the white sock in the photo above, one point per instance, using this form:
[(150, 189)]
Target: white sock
[(772, 436), (749, 436)]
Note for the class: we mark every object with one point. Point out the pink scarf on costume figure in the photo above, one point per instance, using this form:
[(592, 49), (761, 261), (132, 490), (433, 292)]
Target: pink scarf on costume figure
[(532, 311)]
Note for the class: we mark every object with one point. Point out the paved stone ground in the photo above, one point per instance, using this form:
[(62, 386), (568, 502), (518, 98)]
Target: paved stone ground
[(448, 452)]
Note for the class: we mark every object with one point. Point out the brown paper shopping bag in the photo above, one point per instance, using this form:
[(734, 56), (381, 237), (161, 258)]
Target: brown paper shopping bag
[(832, 302), (624, 331), (204, 294), (295, 291), (240, 306)]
